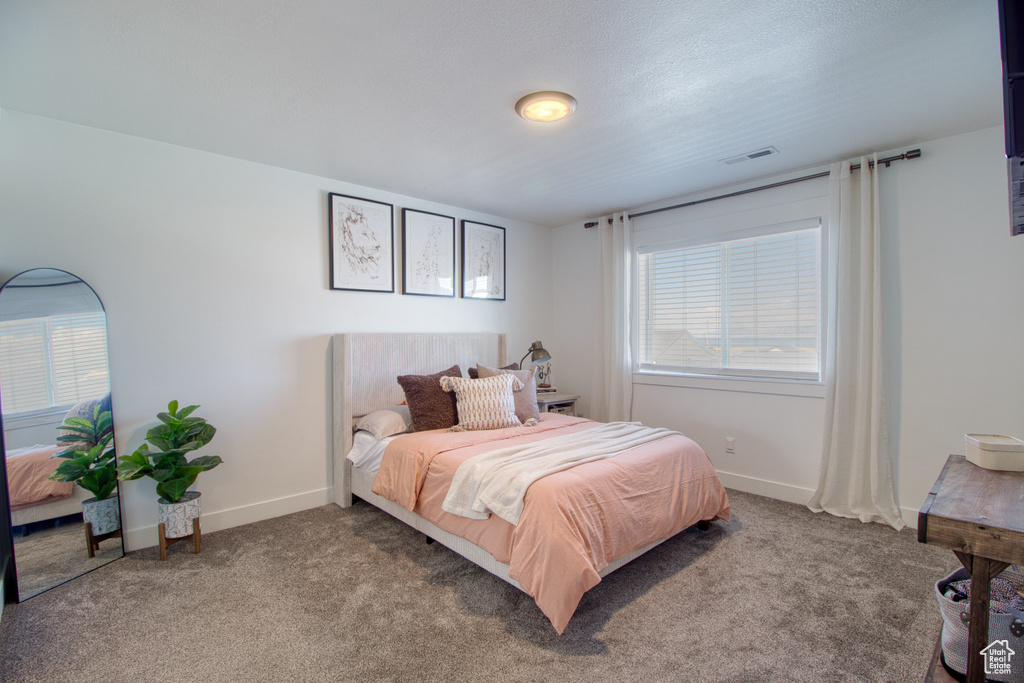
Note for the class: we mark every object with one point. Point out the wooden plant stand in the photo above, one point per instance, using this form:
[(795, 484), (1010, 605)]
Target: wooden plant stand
[(92, 543), (196, 536)]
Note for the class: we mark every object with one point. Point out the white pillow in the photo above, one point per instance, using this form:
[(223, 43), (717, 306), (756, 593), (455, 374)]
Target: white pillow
[(386, 422), (486, 403), (367, 452)]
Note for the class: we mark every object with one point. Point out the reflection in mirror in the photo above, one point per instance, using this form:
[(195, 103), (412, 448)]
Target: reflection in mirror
[(55, 395)]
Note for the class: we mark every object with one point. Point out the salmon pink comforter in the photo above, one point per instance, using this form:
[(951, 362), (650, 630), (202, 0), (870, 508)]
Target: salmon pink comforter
[(28, 476), (574, 522)]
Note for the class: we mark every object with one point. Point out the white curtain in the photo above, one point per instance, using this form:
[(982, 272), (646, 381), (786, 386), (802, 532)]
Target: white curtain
[(855, 479), (612, 387)]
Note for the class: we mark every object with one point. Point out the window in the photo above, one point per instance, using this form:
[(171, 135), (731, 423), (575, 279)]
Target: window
[(53, 361), (748, 306)]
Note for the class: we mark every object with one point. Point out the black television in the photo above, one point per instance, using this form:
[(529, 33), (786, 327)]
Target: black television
[(1011, 36)]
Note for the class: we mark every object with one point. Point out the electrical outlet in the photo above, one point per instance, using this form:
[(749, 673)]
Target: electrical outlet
[(730, 444)]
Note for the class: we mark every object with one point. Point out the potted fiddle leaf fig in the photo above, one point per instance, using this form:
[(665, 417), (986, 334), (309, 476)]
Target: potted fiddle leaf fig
[(179, 433), (90, 464)]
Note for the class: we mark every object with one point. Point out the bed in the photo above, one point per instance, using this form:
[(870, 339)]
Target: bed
[(365, 367), (33, 497), (30, 443)]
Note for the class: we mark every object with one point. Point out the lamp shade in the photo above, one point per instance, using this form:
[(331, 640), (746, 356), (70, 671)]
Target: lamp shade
[(539, 354)]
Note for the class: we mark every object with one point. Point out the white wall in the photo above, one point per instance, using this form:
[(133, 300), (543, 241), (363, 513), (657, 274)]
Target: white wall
[(956, 304), (954, 292), (214, 274)]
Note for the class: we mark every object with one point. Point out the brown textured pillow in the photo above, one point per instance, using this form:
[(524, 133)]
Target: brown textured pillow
[(526, 398), (430, 406), (475, 374)]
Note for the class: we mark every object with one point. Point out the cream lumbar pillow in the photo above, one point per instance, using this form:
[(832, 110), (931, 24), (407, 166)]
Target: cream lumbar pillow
[(485, 403)]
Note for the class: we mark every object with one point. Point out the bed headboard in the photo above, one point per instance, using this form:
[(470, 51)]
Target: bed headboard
[(365, 368)]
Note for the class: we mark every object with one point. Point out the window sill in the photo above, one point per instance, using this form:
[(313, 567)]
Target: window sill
[(776, 387)]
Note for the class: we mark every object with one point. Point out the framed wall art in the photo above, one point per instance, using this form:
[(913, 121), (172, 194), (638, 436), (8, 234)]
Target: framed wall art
[(428, 253), (483, 261), (362, 244)]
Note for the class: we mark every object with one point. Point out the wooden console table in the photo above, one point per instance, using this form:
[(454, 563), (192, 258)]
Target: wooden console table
[(978, 514)]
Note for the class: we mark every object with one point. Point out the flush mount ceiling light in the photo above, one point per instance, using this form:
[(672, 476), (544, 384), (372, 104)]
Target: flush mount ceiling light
[(545, 107)]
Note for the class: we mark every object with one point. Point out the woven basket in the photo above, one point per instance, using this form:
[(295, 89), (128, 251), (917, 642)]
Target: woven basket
[(1005, 623)]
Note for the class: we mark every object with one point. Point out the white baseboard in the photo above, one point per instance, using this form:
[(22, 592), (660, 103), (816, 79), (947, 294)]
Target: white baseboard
[(910, 516), (763, 487), (144, 537), (788, 492)]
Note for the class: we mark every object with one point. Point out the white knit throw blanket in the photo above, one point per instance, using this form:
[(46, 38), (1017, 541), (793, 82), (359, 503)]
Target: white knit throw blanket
[(497, 481)]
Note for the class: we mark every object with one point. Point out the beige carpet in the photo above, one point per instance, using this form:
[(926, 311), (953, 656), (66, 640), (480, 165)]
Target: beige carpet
[(777, 594), (49, 557)]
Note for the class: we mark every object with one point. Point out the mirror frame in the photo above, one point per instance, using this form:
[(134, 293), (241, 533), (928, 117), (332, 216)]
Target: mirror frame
[(7, 573), (8, 564)]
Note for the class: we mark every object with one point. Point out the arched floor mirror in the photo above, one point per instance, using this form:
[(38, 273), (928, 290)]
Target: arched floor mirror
[(54, 366)]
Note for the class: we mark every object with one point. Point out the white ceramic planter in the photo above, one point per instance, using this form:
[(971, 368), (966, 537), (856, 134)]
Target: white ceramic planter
[(104, 515), (177, 517)]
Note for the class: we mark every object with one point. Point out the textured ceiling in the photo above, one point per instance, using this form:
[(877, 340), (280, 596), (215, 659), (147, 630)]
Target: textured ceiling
[(416, 96)]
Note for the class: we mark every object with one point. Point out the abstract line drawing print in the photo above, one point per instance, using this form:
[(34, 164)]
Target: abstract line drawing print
[(357, 243), (483, 261), (361, 241), (426, 268), (429, 253)]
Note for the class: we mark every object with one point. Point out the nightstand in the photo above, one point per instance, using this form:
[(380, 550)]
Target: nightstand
[(557, 403)]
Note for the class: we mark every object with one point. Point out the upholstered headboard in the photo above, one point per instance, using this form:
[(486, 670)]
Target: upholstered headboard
[(365, 368)]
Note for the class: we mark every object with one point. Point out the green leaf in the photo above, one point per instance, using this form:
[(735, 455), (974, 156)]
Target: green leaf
[(99, 482), (135, 465), (206, 462), (168, 459), (161, 443), (173, 489), (104, 423), (69, 470), (172, 407), (185, 412), (161, 474), (101, 457)]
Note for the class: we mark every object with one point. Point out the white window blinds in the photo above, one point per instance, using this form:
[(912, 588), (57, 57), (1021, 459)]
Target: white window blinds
[(53, 361), (742, 307)]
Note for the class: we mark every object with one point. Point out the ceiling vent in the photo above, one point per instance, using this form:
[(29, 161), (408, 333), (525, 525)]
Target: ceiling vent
[(757, 154)]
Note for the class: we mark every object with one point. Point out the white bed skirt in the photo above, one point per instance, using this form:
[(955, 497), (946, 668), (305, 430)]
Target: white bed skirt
[(58, 508)]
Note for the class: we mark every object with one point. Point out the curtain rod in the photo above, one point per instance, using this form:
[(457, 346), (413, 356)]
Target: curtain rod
[(909, 154)]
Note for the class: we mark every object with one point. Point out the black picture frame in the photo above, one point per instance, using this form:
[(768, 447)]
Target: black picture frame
[(483, 261), (362, 244), (428, 253)]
